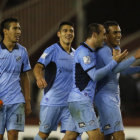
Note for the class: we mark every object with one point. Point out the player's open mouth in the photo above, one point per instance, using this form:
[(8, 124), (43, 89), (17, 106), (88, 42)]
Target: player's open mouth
[(17, 37)]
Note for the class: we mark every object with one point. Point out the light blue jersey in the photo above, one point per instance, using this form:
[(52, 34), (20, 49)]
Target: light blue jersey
[(81, 97), (12, 63), (110, 82), (107, 98), (85, 74), (58, 74)]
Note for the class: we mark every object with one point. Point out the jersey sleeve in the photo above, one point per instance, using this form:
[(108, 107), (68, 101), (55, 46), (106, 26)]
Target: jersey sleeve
[(106, 55), (47, 56), (26, 63), (122, 66), (86, 60), (98, 74), (131, 70)]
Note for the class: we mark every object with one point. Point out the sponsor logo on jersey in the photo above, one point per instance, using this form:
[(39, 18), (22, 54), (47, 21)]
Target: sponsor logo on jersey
[(82, 124), (18, 58), (91, 122), (107, 127)]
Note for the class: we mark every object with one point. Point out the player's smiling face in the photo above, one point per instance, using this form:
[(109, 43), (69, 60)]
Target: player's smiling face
[(66, 34), (13, 33), (114, 36)]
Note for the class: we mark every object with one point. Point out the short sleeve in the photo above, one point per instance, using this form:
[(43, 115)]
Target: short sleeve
[(47, 56), (87, 59), (26, 64)]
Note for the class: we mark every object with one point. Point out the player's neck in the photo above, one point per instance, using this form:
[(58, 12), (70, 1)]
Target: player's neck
[(109, 44), (66, 47), (90, 43), (9, 45)]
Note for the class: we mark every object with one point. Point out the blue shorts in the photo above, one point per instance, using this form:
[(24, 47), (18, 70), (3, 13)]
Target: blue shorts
[(110, 118), (12, 117), (83, 115), (51, 116)]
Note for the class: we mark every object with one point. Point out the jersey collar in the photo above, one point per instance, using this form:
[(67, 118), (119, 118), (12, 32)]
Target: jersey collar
[(86, 46), (4, 47), (63, 48)]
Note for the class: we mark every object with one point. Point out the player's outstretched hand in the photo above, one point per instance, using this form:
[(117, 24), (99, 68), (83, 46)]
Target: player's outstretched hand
[(137, 54), (118, 56), (41, 83)]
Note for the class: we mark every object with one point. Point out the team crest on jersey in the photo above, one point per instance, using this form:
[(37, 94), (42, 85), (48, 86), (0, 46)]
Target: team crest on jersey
[(44, 55), (18, 58), (86, 59)]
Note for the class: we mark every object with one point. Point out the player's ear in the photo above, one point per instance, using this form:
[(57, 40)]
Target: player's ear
[(58, 33), (94, 35), (5, 31)]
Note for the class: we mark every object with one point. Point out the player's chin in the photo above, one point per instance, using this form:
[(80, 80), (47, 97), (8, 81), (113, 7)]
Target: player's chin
[(15, 41), (68, 42), (117, 43)]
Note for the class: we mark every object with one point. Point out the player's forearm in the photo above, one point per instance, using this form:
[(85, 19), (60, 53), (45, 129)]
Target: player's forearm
[(131, 70), (98, 74), (38, 71), (124, 65)]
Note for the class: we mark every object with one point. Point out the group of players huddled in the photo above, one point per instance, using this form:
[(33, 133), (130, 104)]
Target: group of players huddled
[(75, 82)]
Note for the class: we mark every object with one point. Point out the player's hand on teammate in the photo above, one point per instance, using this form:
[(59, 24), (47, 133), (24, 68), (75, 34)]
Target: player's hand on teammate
[(137, 54), (118, 56), (28, 109), (41, 83)]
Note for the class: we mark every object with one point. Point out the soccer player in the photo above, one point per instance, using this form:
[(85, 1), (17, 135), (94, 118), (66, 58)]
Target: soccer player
[(85, 76), (14, 81), (107, 98), (53, 72)]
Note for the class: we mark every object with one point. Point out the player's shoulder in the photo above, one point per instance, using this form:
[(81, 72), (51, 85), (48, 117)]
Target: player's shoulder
[(21, 47), (51, 48), (104, 49), (82, 50)]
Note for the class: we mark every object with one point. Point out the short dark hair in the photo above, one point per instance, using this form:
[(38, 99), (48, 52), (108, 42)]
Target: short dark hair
[(93, 27), (5, 24), (65, 23), (109, 23)]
